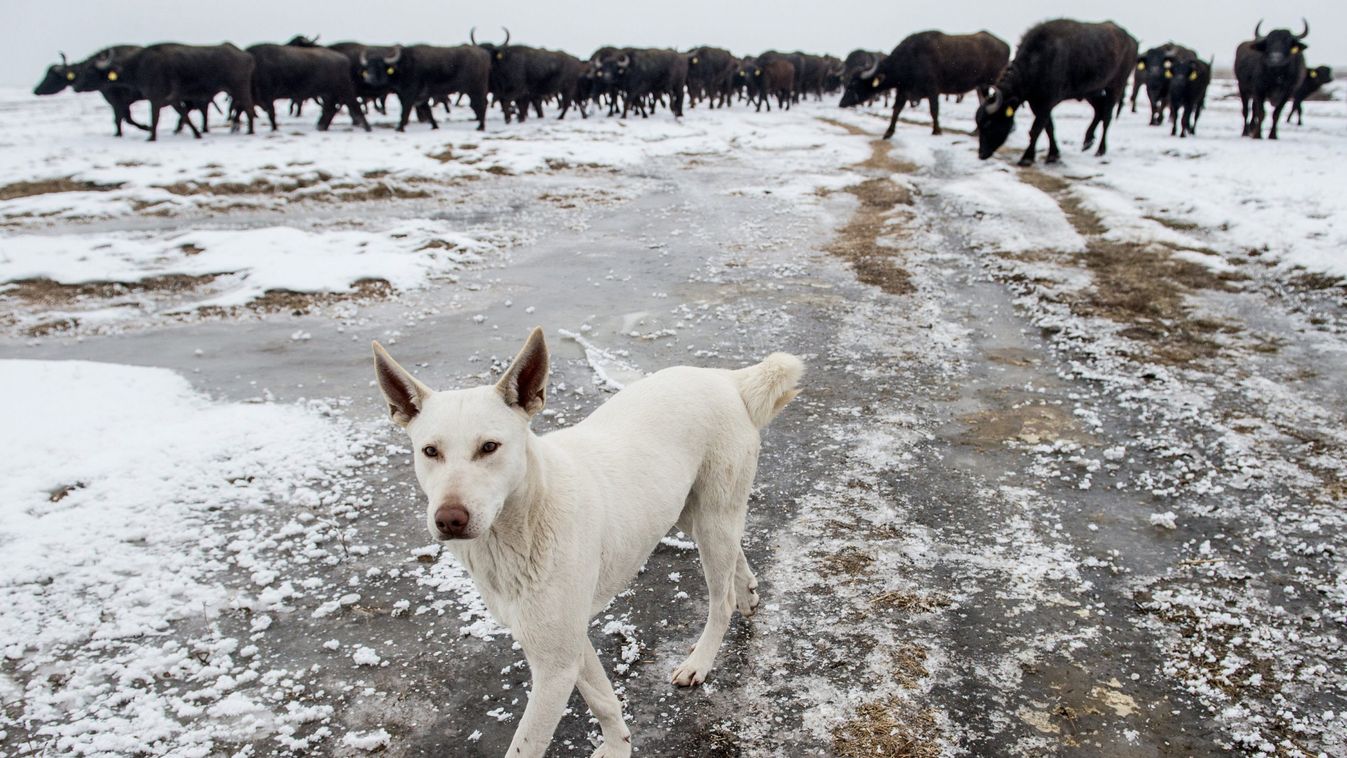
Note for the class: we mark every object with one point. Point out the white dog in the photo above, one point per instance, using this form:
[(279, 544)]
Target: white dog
[(552, 528)]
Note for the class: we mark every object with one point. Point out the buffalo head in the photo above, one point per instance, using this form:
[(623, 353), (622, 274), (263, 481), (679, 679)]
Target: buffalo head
[(1280, 47)]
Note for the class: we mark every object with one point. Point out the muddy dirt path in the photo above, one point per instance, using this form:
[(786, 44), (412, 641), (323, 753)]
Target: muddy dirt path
[(953, 526)]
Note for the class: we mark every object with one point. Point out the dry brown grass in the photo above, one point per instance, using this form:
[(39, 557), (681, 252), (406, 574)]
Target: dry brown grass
[(45, 292), (858, 241), (1142, 286), (909, 665), (900, 600), (15, 190), (886, 728), (849, 561)]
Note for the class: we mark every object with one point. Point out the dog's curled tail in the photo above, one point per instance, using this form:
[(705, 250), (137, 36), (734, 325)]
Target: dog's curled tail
[(768, 386)]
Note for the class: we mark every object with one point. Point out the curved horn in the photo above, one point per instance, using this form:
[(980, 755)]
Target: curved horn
[(364, 57), (994, 100), (103, 61), (506, 43), (472, 35), (1258, 29), (64, 62), (314, 39), (397, 56), (869, 72), (1305, 33)]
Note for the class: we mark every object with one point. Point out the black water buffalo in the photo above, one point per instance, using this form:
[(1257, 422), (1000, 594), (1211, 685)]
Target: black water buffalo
[(858, 61), (82, 77), (375, 97), (1187, 93), (600, 83), (421, 74), (1269, 68), (811, 77), (927, 65), (523, 76), (1058, 60), (779, 80), (118, 96), (796, 60), (832, 76), (1154, 72), (298, 73), (1314, 79), (645, 75), (710, 71), (170, 74)]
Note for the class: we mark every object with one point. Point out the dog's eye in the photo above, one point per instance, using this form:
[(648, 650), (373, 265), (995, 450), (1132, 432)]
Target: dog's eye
[(430, 451), (489, 447)]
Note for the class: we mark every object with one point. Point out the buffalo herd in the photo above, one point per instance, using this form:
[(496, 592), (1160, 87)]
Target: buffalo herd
[(1055, 61)]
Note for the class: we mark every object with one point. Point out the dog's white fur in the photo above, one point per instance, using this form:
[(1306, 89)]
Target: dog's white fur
[(559, 524)]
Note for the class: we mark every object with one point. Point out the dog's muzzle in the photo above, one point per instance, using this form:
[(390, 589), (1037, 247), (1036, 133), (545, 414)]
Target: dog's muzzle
[(451, 522)]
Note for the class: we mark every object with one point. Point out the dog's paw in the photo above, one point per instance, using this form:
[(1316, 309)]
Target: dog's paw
[(692, 673), (746, 600), (609, 750)]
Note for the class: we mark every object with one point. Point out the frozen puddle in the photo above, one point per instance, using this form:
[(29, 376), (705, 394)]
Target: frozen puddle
[(124, 494), (405, 255)]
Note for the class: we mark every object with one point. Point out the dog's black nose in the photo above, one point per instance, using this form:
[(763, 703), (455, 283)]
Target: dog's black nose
[(451, 521)]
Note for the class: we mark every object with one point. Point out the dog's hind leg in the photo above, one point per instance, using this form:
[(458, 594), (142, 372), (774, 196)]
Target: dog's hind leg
[(603, 703), (715, 513), (719, 550), (745, 587)]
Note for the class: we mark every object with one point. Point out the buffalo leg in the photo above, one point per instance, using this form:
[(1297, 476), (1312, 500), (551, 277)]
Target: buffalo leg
[(935, 115), (357, 113), (185, 119), (1256, 120), (325, 118), (1054, 154), (1276, 118), (406, 113), (1136, 88), (269, 107), (1034, 130), (154, 120), (1244, 106), (478, 105), (1106, 118), (899, 101), (538, 107)]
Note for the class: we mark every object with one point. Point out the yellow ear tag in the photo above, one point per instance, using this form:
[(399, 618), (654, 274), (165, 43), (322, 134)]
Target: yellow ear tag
[(1169, 74), (1192, 77), (1141, 66), (112, 76), (694, 61), (1010, 112), (70, 76), (1313, 75), (874, 82), (390, 70), (1295, 51), (500, 56), (758, 72)]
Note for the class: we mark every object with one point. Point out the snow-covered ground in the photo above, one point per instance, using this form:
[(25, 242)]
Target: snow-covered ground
[(1068, 472)]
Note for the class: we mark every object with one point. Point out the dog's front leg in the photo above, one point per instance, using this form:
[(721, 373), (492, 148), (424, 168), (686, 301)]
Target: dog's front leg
[(554, 673), (603, 703)]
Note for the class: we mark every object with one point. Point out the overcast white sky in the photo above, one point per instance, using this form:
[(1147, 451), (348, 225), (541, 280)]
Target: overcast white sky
[(34, 30)]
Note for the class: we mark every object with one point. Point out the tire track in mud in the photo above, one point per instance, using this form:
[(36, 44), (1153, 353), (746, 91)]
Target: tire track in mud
[(1244, 600)]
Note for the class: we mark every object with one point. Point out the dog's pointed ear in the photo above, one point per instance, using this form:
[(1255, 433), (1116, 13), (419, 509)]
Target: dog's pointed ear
[(524, 384), (402, 391)]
